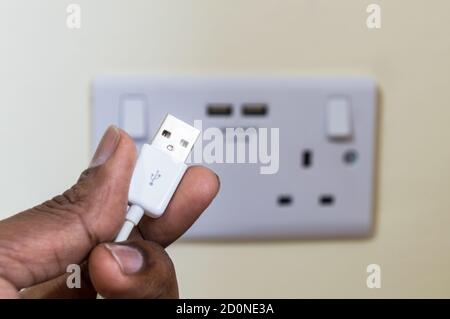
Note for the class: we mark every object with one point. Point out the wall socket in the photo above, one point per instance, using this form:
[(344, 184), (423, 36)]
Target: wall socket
[(324, 185)]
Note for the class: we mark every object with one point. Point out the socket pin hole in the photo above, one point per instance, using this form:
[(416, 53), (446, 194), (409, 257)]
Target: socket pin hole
[(285, 200), (350, 157), (307, 157), (326, 200)]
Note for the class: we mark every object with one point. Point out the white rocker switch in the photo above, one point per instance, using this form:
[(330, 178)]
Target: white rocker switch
[(339, 118), (133, 116)]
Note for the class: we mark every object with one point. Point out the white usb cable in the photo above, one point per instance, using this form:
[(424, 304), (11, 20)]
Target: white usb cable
[(158, 171)]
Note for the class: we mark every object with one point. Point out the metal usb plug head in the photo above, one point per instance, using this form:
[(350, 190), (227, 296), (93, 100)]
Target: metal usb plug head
[(175, 137)]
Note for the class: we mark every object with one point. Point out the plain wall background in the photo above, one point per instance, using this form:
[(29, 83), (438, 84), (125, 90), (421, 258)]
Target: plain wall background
[(46, 71)]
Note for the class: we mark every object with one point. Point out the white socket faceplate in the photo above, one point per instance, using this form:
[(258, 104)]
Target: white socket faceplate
[(324, 186)]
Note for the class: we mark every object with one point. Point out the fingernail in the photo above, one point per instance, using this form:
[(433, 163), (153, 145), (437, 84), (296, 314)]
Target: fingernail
[(218, 179), (106, 147), (129, 258)]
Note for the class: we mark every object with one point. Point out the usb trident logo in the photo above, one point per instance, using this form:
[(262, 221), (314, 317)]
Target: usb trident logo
[(154, 177)]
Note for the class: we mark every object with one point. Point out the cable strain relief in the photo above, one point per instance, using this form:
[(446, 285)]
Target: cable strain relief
[(135, 214)]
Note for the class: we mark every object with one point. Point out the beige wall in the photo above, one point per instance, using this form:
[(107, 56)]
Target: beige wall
[(44, 123)]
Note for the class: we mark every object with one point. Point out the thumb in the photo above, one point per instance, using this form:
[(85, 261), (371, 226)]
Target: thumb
[(133, 269), (39, 243)]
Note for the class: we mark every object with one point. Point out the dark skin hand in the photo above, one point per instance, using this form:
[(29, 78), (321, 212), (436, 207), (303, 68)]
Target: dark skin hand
[(78, 227)]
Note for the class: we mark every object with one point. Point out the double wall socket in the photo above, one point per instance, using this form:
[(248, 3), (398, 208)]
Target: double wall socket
[(312, 140)]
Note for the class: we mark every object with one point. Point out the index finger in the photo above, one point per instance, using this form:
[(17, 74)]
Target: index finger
[(197, 189)]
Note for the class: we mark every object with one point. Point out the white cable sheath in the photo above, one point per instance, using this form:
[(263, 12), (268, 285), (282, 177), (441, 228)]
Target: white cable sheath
[(133, 217), (124, 231)]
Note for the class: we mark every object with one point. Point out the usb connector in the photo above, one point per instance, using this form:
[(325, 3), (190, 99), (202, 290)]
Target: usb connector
[(175, 137), (158, 171)]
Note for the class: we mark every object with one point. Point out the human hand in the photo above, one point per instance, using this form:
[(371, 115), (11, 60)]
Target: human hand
[(78, 227)]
